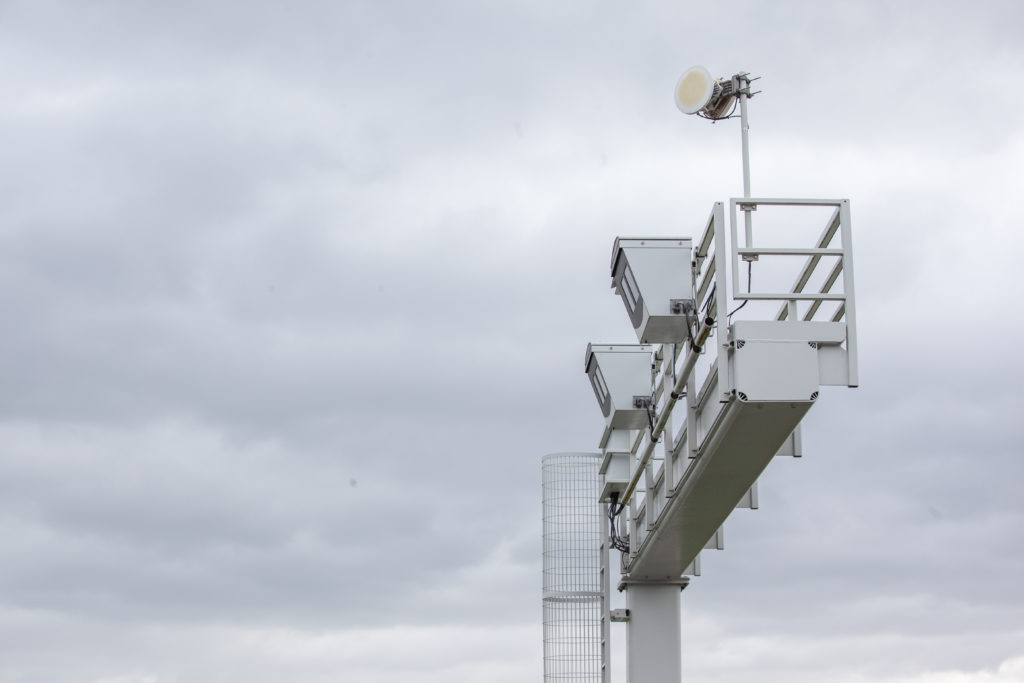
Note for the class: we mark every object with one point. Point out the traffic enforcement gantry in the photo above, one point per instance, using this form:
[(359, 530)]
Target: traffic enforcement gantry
[(738, 389), (717, 386)]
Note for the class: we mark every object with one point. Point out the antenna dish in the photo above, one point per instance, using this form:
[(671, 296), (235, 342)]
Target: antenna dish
[(710, 98), (694, 89)]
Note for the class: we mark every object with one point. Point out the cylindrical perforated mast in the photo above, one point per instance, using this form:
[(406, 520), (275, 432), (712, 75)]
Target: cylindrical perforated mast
[(572, 568)]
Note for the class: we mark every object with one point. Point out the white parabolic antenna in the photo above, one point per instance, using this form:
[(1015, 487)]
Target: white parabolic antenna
[(694, 89)]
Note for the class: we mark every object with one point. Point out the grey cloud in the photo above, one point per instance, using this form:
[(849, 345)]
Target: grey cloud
[(250, 255)]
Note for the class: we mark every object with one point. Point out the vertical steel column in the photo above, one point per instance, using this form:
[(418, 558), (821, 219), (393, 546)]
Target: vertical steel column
[(668, 466), (633, 528), (722, 302), (654, 639), (745, 136), (851, 305)]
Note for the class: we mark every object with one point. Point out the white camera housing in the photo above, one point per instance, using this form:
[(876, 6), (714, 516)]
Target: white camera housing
[(621, 375), (654, 277)]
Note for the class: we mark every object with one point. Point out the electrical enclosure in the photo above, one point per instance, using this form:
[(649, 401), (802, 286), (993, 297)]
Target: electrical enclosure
[(653, 275), (620, 375)]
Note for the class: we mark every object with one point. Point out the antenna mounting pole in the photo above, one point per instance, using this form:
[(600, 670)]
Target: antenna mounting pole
[(741, 84)]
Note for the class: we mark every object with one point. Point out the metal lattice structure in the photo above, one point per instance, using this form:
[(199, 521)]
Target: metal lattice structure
[(572, 568)]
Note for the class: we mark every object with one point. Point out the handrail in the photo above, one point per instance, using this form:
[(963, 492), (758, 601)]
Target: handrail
[(676, 374), (776, 251), (805, 274), (689, 363), (655, 481), (840, 312), (790, 296), (705, 240), (705, 283), (700, 255), (825, 287), (814, 255)]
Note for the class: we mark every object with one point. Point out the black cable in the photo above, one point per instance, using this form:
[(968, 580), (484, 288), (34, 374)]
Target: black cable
[(711, 297), (745, 301), (735, 100), (689, 333), (614, 510), (617, 542)]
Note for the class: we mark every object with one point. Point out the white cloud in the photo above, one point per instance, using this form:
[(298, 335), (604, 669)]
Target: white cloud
[(1009, 671)]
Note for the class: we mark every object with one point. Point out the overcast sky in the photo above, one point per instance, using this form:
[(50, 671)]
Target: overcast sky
[(295, 296)]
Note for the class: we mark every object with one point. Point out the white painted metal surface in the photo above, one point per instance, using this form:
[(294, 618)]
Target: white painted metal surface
[(654, 633), (652, 275), (724, 403), (739, 409), (619, 373)]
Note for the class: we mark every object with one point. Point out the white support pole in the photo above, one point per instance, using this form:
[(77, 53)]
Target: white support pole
[(748, 225), (633, 529), (668, 467), (745, 133), (654, 639), (851, 307)]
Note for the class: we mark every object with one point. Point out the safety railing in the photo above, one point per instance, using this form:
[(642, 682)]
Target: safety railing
[(837, 224), (684, 418)]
